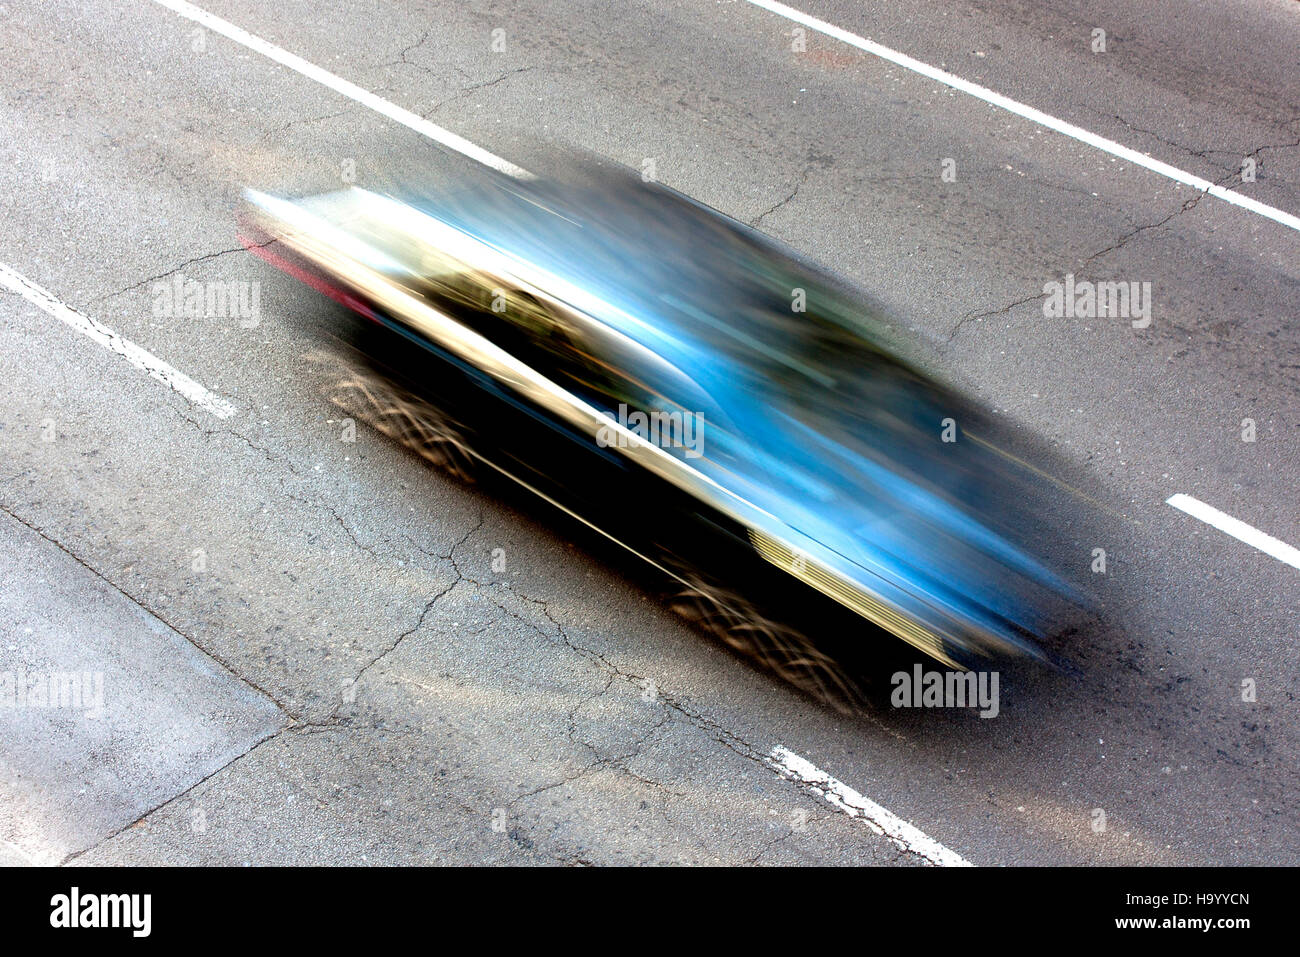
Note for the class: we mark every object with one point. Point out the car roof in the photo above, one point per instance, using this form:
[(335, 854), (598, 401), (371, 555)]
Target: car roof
[(699, 288)]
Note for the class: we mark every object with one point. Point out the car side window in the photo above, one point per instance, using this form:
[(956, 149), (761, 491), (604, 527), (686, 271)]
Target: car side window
[(611, 372)]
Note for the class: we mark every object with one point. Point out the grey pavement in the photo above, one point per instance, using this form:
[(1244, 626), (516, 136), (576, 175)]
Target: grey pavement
[(107, 713)]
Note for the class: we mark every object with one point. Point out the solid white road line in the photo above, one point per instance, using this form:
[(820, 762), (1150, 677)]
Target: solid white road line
[(340, 85), (1029, 113), (1237, 529), (879, 819), (145, 361)]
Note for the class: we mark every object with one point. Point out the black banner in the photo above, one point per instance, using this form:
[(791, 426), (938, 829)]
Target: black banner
[(338, 906)]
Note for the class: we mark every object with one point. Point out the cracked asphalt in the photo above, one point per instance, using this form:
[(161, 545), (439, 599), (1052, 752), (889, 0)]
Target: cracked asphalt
[(322, 651)]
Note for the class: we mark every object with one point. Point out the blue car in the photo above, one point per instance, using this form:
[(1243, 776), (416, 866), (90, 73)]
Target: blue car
[(700, 395)]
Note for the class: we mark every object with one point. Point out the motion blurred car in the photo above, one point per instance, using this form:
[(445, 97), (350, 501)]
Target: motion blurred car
[(695, 392)]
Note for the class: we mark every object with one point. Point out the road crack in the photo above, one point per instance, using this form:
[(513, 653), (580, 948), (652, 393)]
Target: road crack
[(163, 275)]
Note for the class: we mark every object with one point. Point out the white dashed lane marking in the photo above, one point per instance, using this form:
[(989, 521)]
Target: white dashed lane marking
[(1236, 528), (906, 836), (92, 329), (339, 85), (1029, 113)]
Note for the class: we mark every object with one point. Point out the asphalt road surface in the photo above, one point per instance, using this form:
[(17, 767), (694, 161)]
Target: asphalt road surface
[(318, 650)]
